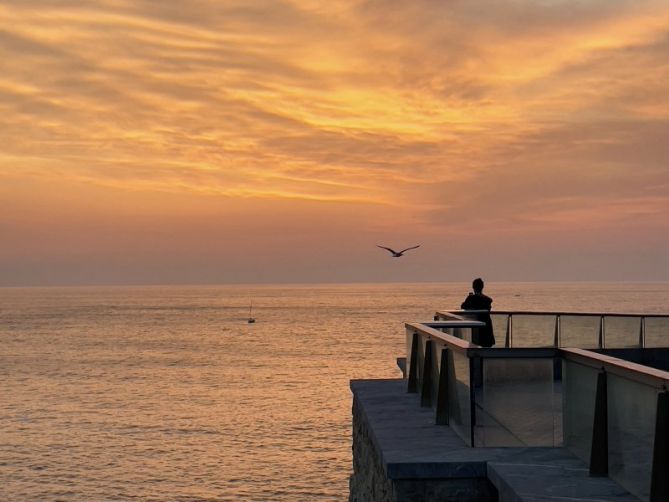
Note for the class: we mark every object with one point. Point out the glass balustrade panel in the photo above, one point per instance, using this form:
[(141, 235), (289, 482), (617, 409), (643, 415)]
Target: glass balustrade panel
[(433, 365), (408, 339), (420, 352), (499, 328), (579, 388), (465, 334), (468, 315), (621, 332), (449, 331), (443, 329), (438, 347), (533, 330), (657, 331), (631, 419), (461, 333), (421, 358), (516, 404), (459, 405), (579, 331)]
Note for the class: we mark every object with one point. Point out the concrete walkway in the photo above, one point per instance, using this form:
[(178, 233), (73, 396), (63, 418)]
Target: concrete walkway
[(410, 446)]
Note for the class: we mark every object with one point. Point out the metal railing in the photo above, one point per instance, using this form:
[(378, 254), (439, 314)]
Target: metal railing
[(572, 329), (616, 418), (611, 413), (442, 383)]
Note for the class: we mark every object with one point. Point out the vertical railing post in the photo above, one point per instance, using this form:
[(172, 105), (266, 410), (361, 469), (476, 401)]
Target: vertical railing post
[(642, 332), (426, 381), (599, 451), (442, 390), (556, 336), (472, 398), (412, 385), (509, 327), (602, 334), (659, 480)]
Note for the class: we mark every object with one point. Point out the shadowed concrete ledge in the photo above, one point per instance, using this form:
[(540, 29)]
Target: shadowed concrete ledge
[(400, 455)]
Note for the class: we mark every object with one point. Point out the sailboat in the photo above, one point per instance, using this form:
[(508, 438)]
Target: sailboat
[(251, 319)]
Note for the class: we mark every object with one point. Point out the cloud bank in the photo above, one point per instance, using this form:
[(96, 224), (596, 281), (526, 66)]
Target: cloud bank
[(543, 124)]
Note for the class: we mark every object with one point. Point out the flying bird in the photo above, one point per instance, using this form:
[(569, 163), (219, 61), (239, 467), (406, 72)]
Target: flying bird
[(397, 254)]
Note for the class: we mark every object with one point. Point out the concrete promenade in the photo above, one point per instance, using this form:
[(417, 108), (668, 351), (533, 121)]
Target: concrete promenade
[(420, 461)]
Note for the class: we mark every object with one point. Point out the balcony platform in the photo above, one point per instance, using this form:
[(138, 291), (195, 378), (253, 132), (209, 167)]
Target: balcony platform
[(419, 460)]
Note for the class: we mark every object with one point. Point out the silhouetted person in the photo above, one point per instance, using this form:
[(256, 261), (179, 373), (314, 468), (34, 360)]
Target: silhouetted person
[(478, 301)]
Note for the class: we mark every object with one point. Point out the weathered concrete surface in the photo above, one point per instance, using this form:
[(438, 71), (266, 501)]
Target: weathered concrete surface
[(401, 456), (550, 474), (409, 482)]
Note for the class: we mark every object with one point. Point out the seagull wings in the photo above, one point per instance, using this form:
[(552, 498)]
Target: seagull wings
[(387, 249), (397, 253), (407, 249)]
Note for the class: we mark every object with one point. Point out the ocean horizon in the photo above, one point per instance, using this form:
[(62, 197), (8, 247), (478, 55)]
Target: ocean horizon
[(467, 283)]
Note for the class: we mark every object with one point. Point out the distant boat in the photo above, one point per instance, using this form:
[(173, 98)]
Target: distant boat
[(251, 319)]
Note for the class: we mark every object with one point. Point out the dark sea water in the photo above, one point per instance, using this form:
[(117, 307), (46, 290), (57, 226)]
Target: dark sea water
[(166, 393)]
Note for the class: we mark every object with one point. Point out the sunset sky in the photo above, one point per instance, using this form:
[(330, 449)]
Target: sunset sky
[(220, 141)]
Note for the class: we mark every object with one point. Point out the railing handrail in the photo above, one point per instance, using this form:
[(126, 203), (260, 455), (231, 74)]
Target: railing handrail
[(453, 316), (629, 370), (513, 352), (453, 342), (459, 312), (632, 371)]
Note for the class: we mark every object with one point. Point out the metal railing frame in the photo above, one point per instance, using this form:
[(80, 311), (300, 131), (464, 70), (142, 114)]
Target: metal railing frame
[(508, 340), (420, 377)]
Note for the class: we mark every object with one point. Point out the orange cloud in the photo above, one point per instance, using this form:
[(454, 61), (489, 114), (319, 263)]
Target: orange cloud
[(442, 117)]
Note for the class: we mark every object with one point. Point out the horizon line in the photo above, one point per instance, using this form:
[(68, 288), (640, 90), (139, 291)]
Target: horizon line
[(321, 283)]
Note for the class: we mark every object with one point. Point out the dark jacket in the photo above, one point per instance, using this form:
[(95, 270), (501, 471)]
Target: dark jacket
[(485, 336)]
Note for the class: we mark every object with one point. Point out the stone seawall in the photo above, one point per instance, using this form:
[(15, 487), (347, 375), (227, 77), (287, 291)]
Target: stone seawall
[(400, 455), (370, 481)]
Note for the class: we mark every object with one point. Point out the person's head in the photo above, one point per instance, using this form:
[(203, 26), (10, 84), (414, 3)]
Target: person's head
[(477, 285)]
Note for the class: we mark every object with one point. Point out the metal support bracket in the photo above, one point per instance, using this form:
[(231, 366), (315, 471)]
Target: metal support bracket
[(442, 390), (659, 481), (599, 452), (426, 381), (412, 385)]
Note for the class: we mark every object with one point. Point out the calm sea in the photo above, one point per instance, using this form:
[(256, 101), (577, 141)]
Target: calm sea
[(166, 393)]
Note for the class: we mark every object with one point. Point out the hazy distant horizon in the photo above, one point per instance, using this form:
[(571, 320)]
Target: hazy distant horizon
[(465, 283)]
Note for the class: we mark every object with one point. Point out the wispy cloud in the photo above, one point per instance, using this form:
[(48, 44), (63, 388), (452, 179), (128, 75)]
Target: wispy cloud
[(537, 112)]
